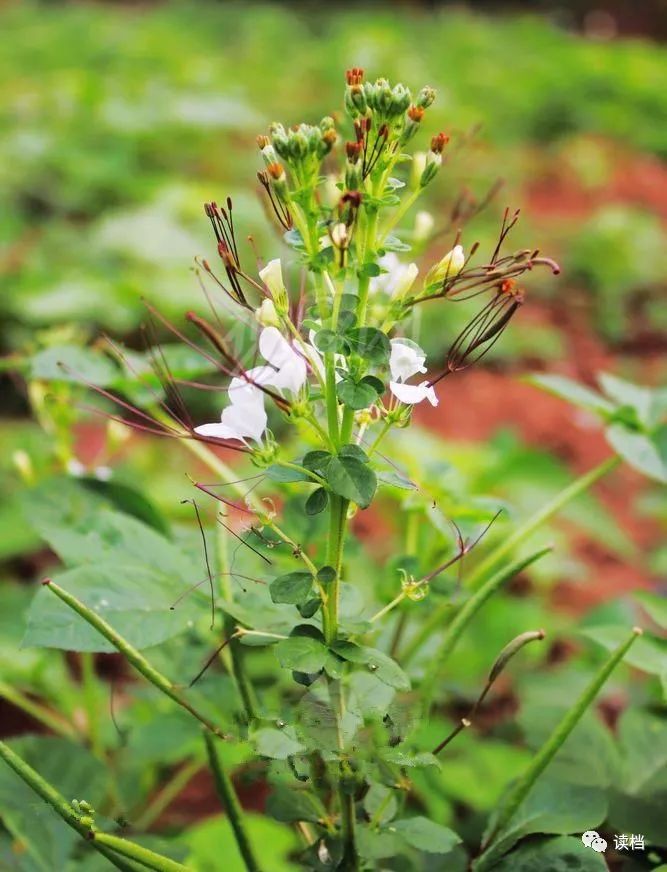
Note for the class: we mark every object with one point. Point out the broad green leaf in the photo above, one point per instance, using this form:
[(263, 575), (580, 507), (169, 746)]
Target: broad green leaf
[(287, 805), (71, 363), (370, 343), (356, 395), (73, 771), (638, 450), (560, 854), (649, 653), (353, 450), (135, 600), (316, 460), (278, 744), (378, 663), (410, 761), (380, 803), (129, 501), (551, 807), (214, 839), (650, 405), (301, 653), (350, 478), (655, 605), (317, 501), (425, 835), (573, 392), (276, 472), (294, 587), (375, 844)]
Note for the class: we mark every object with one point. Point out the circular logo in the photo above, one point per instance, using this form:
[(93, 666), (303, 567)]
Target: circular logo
[(588, 837)]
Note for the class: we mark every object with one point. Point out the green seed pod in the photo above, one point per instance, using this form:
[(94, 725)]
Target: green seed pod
[(511, 649)]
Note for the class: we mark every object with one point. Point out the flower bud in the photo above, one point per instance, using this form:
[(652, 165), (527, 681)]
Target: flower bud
[(279, 140), (418, 167), (272, 276), (433, 164), (400, 101), (438, 143), (448, 267), (267, 315), (426, 97)]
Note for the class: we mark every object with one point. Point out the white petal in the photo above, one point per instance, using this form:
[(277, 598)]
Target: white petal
[(292, 375), (275, 348), (398, 278), (412, 394), (272, 276), (243, 389), (406, 359)]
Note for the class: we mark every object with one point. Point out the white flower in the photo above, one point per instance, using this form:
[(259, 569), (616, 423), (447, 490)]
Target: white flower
[(412, 394), (406, 359), (272, 276), (267, 315), (245, 417), (398, 278), (448, 267)]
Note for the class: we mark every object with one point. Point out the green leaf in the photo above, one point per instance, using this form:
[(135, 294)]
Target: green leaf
[(129, 501), (71, 363), (573, 392), (135, 600), (550, 807), (638, 450), (649, 653), (317, 501), (411, 761), (380, 803), (655, 605), (326, 574), (355, 395), (214, 838), (291, 804), (316, 460), (301, 653), (328, 340), (369, 270), (370, 343), (353, 450), (560, 854), (278, 744), (352, 479), (393, 243), (425, 835), (381, 665), (293, 588), (310, 607), (649, 404), (276, 472)]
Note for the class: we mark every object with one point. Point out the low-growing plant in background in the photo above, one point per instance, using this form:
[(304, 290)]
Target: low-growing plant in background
[(267, 640)]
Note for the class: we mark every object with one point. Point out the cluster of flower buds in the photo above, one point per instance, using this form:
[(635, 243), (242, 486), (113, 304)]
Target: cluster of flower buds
[(303, 142)]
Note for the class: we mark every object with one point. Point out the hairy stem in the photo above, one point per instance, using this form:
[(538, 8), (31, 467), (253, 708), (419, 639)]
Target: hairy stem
[(232, 806), (131, 654), (547, 752), (105, 844)]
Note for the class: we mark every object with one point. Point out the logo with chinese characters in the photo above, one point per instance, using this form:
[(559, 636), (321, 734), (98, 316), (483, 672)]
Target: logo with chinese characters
[(622, 842)]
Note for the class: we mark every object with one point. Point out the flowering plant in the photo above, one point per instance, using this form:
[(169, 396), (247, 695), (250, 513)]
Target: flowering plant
[(342, 725)]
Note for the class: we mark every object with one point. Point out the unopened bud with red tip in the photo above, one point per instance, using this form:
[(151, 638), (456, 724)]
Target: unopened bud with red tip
[(413, 119), (438, 142)]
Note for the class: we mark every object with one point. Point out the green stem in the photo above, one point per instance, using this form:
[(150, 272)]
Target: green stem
[(406, 204), (463, 618), (131, 654), (104, 843), (89, 687), (230, 801), (337, 519), (522, 533), (481, 571), (547, 752), (167, 795), (37, 711)]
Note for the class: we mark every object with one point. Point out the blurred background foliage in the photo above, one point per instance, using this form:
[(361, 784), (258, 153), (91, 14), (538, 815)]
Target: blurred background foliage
[(119, 121)]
